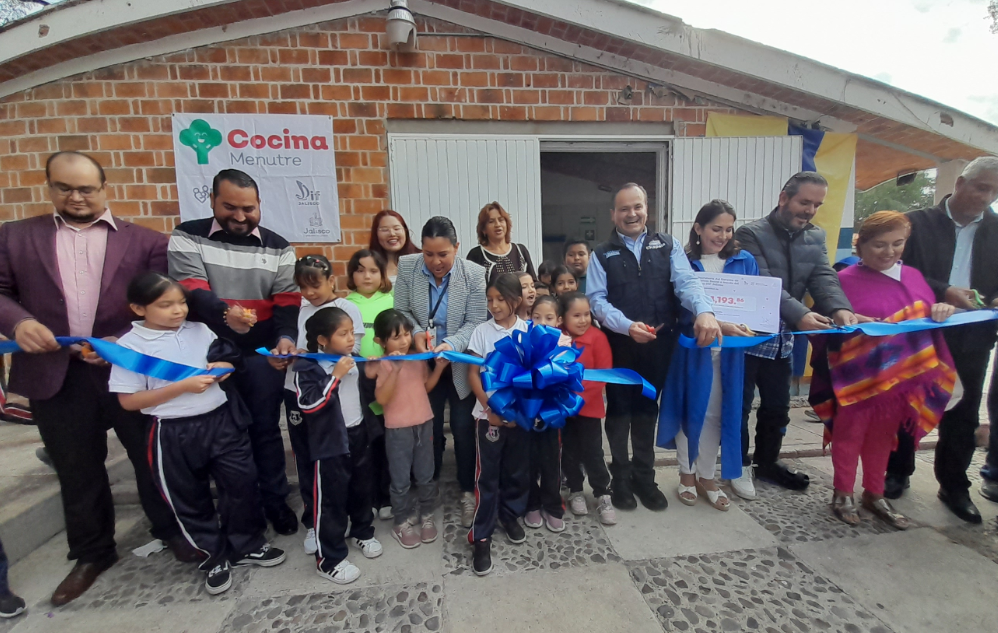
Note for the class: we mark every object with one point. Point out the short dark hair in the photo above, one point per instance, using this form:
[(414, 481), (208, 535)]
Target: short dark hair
[(629, 185), (542, 299), (559, 271), (93, 161), (540, 285), (704, 217), (323, 323), (311, 269), (390, 321), (566, 300), (439, 226), (546, 267), (239, 178), (793, 185), (354, 265), (146, 288), (572, 241)]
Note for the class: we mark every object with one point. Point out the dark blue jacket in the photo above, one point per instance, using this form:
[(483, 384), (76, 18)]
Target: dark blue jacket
[(643, 290), (319, 401)]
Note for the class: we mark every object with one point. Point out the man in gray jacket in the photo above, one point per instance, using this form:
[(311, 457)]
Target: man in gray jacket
[(788, 246)]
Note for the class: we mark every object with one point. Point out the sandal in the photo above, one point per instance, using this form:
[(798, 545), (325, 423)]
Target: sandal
[(883, 509), (845, 508), (691, 495), (714, 498)]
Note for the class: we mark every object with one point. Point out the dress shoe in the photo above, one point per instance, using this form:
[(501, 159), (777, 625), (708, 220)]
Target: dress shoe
[(183, 551), (777, 473), (960, 504), (651, 497), (284, 520), (80, 579), (621, 495), (894, 486), (989, 490)]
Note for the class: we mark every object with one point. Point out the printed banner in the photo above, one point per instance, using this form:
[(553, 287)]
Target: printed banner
[(290, 156), (745, 299)]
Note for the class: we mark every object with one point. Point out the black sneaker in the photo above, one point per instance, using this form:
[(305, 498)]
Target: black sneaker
[(894, 486), (778, 474), (284, 520), (266, 556), (218, 579), (514, 532), (483, 557), (621, 495), (11, 605), (651, 497)]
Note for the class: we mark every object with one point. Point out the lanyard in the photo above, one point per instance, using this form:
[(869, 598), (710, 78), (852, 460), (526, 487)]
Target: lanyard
[(440, 297)]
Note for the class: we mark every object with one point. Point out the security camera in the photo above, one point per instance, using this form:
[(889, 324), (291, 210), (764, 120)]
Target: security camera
[(401, 26)]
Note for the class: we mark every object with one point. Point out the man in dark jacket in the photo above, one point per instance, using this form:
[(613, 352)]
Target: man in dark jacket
[(955, 246), (788, 246)]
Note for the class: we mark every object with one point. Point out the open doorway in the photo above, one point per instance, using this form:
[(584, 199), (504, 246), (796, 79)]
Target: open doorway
[(577, 193)]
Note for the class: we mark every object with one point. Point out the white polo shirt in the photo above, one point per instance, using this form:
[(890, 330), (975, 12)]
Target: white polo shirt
[(307, 310), (188, 345), (353, 413), (483, 342)]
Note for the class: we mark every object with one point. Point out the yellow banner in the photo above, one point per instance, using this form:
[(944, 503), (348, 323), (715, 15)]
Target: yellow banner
[(738, 125), (834, 160)]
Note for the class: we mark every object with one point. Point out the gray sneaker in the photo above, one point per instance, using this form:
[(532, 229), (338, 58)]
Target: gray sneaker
[(467, 509)]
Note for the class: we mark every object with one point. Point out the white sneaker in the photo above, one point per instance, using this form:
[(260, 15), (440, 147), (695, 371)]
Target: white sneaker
[(743, 486), (371, 548), (386, 513), (467, 509), (607, 515), (577, 503), (343, 574), (311, 546)]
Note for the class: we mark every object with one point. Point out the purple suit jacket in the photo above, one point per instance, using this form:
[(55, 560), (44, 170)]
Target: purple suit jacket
[(30, 287)]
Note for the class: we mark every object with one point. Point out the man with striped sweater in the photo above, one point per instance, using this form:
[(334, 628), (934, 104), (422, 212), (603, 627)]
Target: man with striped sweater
[(241, 282)]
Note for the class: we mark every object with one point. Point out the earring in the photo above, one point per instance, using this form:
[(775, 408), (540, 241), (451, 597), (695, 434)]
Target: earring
[(698, 240)]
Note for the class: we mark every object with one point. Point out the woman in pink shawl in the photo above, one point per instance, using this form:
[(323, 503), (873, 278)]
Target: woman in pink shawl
[(864, 387)]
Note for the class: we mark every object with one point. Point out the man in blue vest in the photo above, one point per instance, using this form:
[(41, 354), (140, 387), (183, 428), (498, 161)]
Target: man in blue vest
[(637, 283)]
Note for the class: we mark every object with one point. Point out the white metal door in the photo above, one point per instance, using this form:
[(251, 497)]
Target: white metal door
[(456, 175), (748, 172)]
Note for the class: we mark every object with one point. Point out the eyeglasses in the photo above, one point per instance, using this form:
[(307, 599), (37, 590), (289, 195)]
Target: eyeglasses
[(85, 192)]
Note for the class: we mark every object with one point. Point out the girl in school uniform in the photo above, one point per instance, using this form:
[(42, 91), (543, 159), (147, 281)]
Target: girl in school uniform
[(503, 474), (329, 399), (196, 432), (314, 276), (529, 295)]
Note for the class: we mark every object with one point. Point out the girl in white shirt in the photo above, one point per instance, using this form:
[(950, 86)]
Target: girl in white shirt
[(314, 276), (195, 433)]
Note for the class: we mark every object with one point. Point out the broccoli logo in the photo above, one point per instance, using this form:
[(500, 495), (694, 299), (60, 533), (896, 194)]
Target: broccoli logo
[(202, 138)]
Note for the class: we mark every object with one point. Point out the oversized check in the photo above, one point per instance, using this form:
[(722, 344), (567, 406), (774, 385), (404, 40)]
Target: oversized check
[(748, 299)]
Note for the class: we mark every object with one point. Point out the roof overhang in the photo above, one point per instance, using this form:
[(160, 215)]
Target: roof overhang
[(898, 131)]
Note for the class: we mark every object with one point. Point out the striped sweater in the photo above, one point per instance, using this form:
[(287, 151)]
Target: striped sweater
[(252, 271)]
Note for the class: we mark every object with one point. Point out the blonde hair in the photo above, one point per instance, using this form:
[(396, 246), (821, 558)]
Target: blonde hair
[(882, 222)]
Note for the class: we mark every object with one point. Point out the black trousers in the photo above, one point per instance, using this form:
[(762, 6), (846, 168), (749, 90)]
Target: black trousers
[(342, 497), (262, 389), (298, 435), (185, 453), (73, 424), (502, 482), (583, 447), (545, 473), (380, 474), (772, 376), (631, 415), (462, 426)]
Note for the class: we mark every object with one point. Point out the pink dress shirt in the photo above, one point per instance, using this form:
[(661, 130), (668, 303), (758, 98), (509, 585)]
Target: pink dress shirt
[(80, 255)]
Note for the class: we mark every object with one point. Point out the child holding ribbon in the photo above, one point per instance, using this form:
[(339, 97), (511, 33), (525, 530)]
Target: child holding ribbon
[(329, 399), (583, 434), (503, 474), (367, 277), (403, 390), (195, 433), (314, 276)]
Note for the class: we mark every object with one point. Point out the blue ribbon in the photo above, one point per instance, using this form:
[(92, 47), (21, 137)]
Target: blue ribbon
[(871, 329), (128, 359)]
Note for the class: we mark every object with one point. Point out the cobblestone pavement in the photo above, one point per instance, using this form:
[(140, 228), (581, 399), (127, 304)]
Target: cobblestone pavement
[(812, 573)]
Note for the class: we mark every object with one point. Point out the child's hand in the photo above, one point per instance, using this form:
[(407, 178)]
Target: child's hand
[(495, 420), (197, 384), (442, 363), (343, 366), (221, 366)]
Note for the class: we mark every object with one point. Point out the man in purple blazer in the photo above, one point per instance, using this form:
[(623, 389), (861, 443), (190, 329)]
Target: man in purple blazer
[(65, 274)]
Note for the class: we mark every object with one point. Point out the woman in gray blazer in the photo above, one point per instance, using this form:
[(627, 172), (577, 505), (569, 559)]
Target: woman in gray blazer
[(444, 298)]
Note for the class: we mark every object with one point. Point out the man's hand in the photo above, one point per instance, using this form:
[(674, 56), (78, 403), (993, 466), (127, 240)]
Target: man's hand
[(941, 312), (814, 321), (443, 347), (734, 329), (35, 338), (284, 346), (641, 333), (239, 320), (706, 329), (844, 317), (961, 298)]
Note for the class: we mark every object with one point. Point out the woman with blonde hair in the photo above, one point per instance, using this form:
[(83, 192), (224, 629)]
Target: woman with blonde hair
[(496, 252), (867, 388)]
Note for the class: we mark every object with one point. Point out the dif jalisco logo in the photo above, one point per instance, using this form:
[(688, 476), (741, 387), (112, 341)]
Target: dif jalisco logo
[(202, 138)]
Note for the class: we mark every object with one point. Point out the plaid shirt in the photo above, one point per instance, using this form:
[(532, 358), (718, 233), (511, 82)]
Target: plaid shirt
[(781, 344)]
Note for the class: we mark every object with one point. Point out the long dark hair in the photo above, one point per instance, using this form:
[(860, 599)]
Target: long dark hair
[(509, 287), (146, 288), (310, 270), (705, 216), (323, 323), (439, 226)]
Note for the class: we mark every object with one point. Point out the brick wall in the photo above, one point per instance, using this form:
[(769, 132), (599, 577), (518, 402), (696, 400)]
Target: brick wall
[(121, 114)]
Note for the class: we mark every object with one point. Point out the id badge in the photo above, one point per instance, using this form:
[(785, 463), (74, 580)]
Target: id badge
[(431, 337)]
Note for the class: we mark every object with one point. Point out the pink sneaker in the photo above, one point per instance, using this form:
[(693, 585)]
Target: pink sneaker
[(533, 519), (554, 523), (428, 531), (407, 535)]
